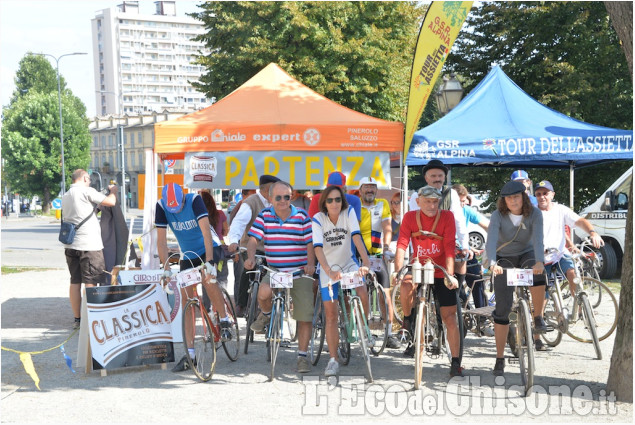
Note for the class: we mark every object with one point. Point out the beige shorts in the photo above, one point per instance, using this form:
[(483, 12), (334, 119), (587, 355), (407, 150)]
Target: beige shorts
[(302, 295)]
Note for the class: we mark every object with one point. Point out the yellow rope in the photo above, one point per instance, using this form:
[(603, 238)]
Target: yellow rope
[(42, 351)]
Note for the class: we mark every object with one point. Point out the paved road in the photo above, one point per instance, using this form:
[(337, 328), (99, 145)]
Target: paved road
[(35, 316)]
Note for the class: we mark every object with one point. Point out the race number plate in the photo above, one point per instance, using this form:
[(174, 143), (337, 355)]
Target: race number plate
[(351, 280), (375, 264), (281, 280), (188, 278), (520, 277)]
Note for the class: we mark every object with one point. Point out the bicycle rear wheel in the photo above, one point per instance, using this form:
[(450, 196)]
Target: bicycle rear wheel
[(362, 336), (317, 331), (288, 316), (525, 346), (378, 322), (344, 347), (252, 312), (554, 317), (275, 335), (605, 314), (202, 340), (231, 347), (419, 344)]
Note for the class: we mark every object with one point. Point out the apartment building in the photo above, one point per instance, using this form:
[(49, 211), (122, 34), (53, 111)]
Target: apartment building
[(137, 132), (145, 63)]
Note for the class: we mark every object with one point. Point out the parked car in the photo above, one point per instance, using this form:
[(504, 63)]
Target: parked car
[(477, 236)]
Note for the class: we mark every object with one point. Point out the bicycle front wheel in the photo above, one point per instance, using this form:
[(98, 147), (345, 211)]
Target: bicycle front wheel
[(231, 347), (275, 335), (344, 347), (362, 336), (605, 314), (378, 322), (317, 331), (201, 339), (525, 346), (589, 319), (419, 344)]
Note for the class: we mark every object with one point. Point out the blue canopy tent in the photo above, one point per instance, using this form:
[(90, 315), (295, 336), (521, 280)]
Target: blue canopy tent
[(498, 124)]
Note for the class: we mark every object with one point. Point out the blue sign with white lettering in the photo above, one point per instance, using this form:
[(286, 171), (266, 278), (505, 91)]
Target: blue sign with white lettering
[(57, 204)]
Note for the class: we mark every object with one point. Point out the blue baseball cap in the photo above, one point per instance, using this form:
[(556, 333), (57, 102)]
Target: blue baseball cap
[(545, 184), (337, 178), (173, 197), (520, 175)]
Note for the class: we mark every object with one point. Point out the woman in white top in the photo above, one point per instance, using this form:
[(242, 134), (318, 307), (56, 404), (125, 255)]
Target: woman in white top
[(335, 227)]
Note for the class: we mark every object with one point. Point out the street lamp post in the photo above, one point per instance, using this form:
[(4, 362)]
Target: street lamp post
[(59, 99), (449, 94)]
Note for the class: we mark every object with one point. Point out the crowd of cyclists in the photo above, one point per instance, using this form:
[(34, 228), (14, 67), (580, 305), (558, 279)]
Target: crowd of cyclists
[(343, 232)]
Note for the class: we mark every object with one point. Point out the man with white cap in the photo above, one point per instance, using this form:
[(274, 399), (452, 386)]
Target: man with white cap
[(376, 229)]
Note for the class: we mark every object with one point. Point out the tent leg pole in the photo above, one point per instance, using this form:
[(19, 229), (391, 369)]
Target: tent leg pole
[(571, 183)]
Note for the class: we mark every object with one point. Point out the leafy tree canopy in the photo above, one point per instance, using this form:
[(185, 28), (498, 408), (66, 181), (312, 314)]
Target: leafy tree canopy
[(35, 73), (358, 54), (31, 143), (568, 57)]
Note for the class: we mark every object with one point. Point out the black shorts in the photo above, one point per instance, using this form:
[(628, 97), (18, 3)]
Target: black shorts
[(190, 264), (445, 297), (85, 266)]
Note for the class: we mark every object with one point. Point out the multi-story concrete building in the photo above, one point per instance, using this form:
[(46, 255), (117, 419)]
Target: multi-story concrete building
[(146, 62), (138, 135)]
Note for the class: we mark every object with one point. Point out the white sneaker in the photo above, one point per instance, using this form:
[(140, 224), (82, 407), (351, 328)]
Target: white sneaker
[(332, 368)]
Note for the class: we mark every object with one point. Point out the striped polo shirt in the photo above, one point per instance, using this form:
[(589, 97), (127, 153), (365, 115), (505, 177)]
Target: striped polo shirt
[(285, 241)]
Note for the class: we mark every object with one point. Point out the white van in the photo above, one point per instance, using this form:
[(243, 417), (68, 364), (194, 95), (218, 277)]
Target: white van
[(608, 216)]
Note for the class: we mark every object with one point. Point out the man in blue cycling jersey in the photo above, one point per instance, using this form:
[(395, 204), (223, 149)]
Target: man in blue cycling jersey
[(187, 215)]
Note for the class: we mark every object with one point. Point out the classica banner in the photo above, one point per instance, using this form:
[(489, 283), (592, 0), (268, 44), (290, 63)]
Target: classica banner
[(303, 170), (129, 325), (439, 29)]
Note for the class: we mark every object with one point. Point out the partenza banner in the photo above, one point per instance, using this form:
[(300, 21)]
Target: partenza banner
[(303, 170), (129, 325)]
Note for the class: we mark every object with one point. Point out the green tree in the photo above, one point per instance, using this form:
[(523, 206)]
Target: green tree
[(31, 143), (35, 73), (358, 54), (564, 54)]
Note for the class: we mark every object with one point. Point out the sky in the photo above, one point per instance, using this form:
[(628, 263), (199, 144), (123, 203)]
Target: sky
[(57, 28)]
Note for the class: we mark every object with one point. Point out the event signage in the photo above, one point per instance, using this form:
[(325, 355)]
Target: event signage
[(439, 29), (141, 277), (129, 326), (303, 170)]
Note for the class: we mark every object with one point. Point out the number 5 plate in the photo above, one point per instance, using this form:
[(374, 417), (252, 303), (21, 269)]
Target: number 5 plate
[(188, 278), (520, 277), (281, 280)]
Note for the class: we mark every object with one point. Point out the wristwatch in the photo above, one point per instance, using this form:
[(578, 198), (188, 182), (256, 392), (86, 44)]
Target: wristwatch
[(592, 231)]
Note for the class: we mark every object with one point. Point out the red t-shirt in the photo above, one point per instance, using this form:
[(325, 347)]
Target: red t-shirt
[(426, 247)]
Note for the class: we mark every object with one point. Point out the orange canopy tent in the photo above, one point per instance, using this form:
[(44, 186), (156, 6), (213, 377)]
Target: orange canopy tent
[(274, 112)]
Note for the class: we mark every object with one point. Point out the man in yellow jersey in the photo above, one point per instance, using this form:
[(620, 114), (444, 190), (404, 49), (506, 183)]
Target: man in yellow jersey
[(376, 229)]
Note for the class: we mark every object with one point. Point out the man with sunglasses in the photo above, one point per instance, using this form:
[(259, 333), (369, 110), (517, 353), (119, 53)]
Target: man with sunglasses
[(286, 233), (431, 232)]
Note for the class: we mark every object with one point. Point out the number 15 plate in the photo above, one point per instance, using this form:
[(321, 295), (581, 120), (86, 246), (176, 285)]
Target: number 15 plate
[(520, 277)]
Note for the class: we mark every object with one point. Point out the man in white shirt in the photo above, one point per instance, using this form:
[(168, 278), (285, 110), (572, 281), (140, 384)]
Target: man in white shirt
[(249, 209), (84, 256)]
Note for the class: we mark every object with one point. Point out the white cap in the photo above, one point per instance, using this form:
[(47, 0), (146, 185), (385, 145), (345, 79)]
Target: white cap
[(367, 180)]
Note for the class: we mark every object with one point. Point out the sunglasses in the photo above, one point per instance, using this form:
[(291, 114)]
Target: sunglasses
[(337, 200), (279, 198), (395, 202)]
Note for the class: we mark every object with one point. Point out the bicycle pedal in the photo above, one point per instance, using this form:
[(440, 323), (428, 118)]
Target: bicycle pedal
[(513, 360)]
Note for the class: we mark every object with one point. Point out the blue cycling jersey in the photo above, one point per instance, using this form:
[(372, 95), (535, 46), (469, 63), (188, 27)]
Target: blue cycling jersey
[(185, 226)]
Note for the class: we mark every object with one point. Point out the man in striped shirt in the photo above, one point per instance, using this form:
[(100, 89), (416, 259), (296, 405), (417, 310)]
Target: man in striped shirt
[(286, 233)]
